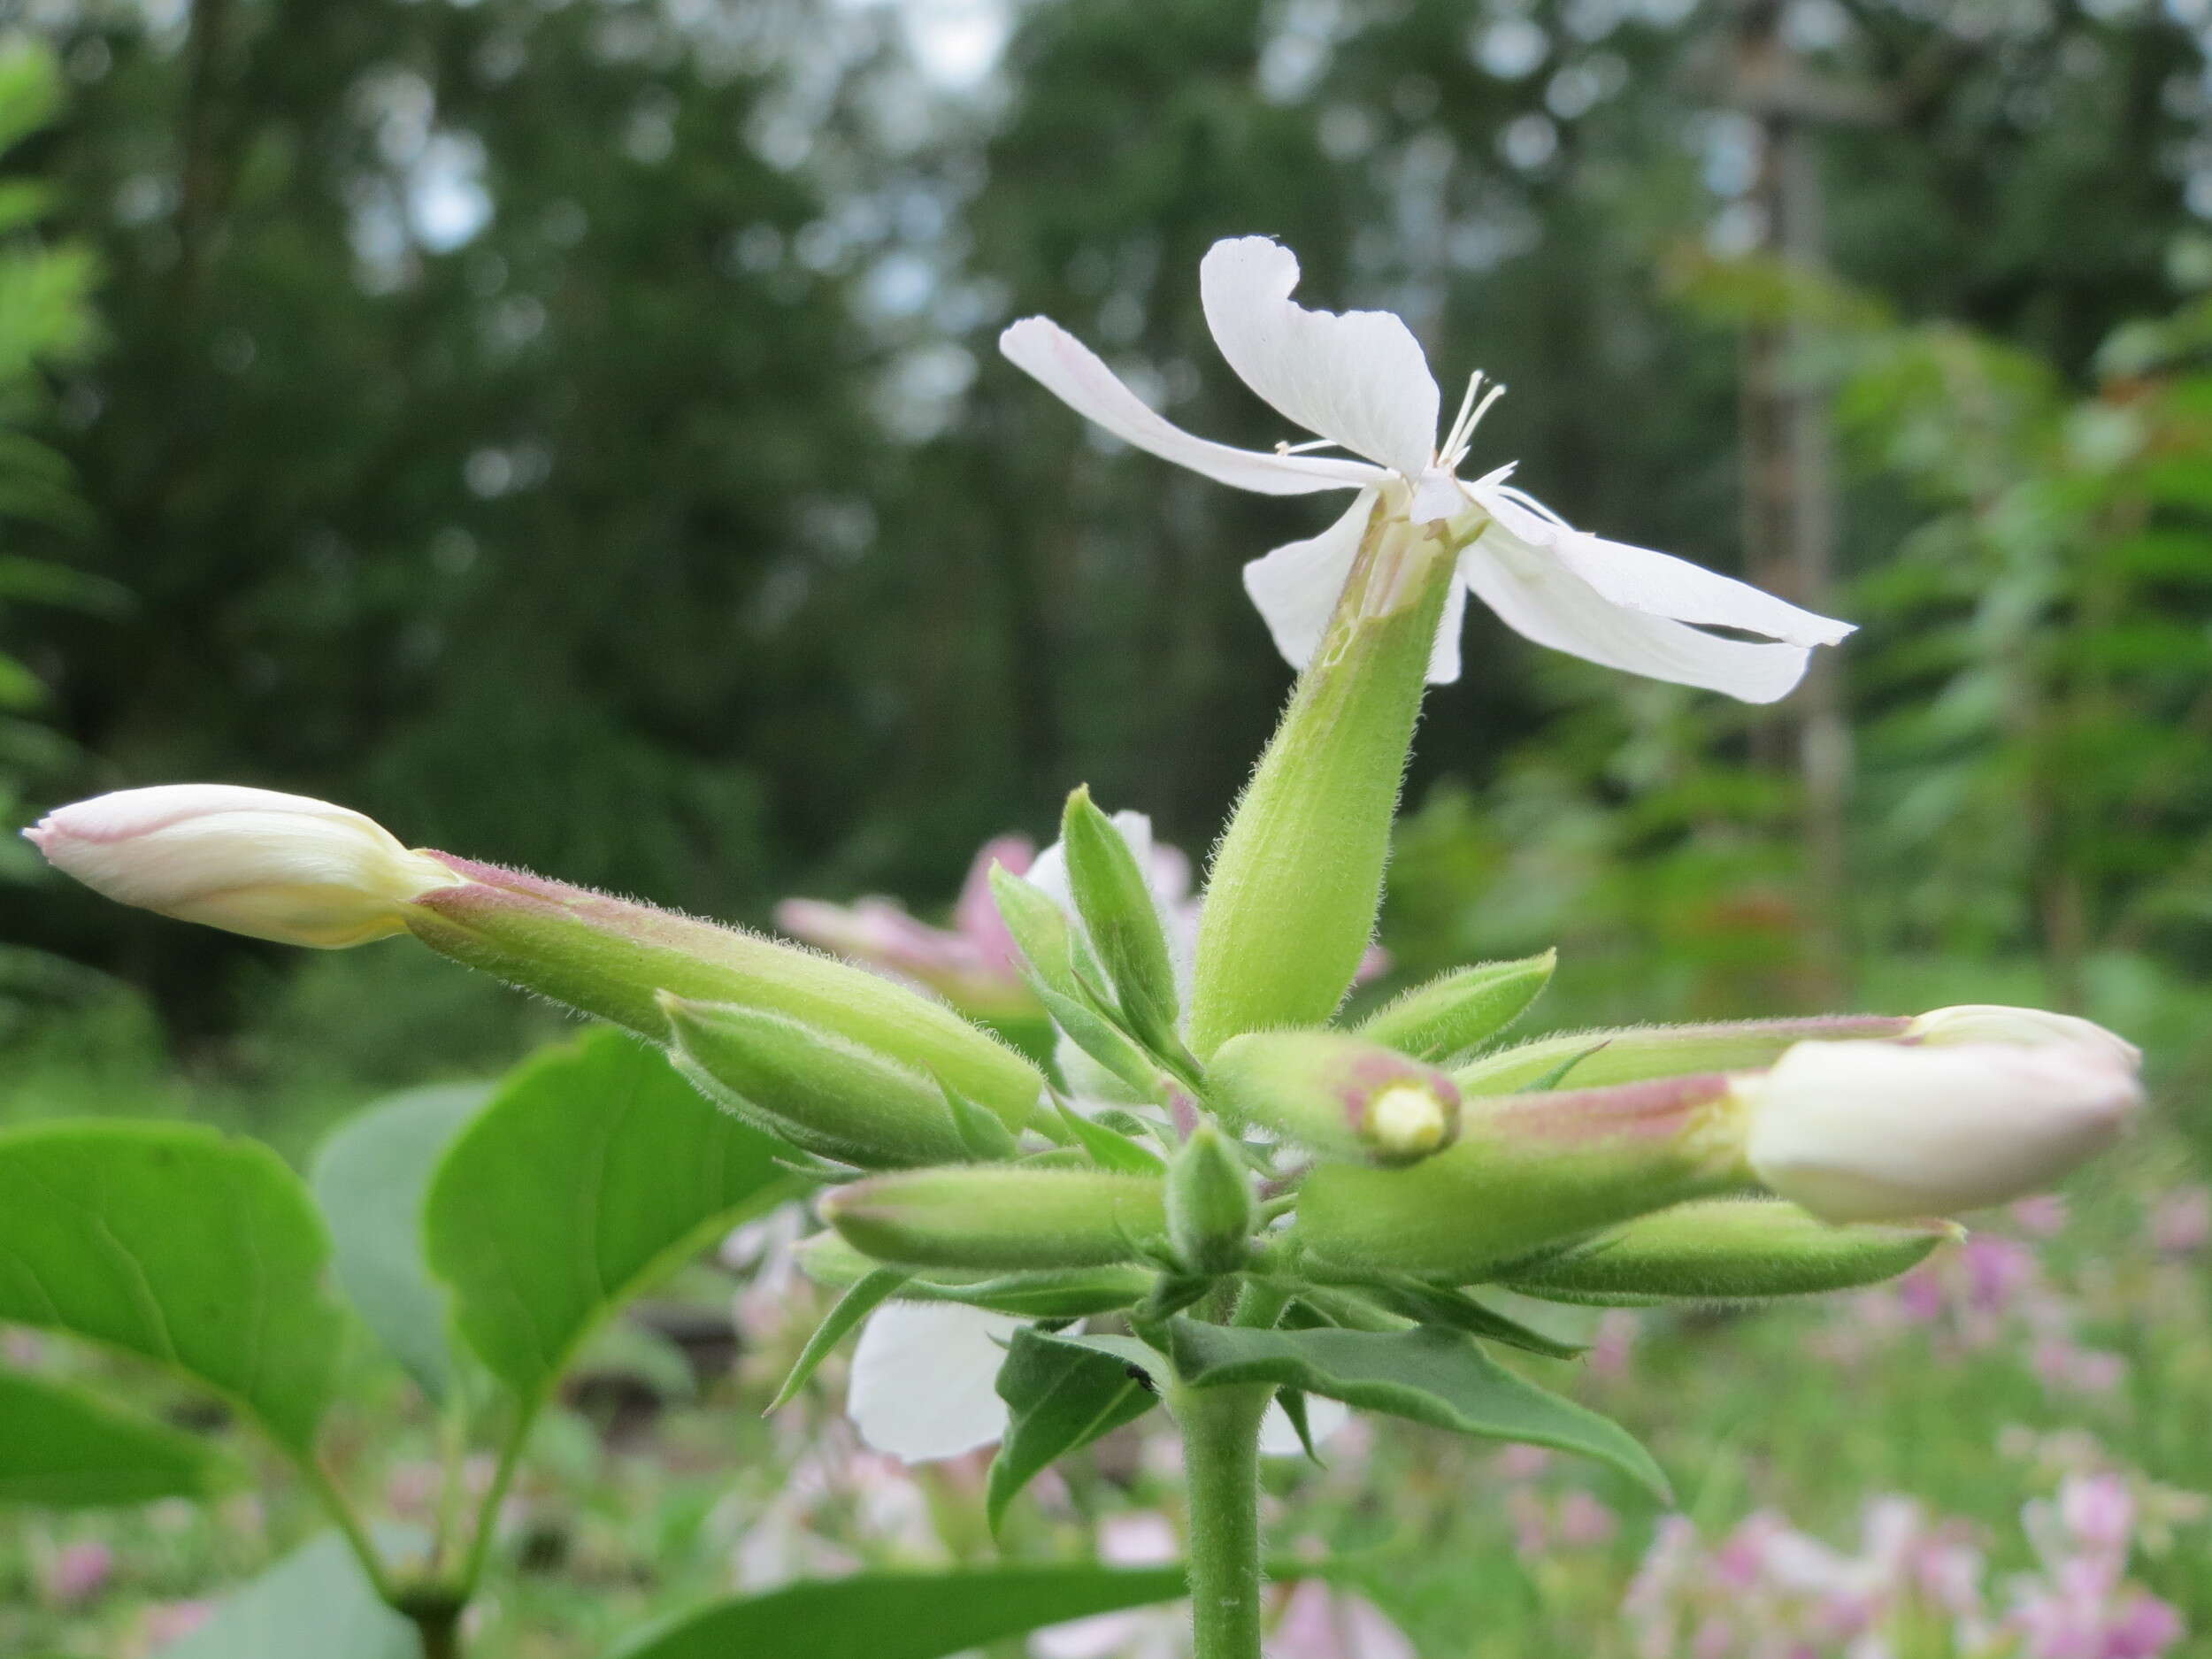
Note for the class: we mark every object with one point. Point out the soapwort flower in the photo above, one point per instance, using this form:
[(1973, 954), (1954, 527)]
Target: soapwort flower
[(1359, 381)]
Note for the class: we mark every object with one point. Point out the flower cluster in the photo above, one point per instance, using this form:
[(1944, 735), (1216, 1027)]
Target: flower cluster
[(1913, 1584)]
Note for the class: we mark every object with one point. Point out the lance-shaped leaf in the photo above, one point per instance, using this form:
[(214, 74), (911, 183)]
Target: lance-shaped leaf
[(1060, 1396), (371, 1180), (1431, 1375), (593, 1169), (901, 1615), (1460, 1011), (65, 1450), (201, 1253), (870, 1292), (316, 1600)]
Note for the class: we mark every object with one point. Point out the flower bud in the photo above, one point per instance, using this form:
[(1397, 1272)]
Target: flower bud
[(1528, 1171), (1879, 1131), (1631, 1053), (1459, 1010), (1729, 1250), (1296, 882), (1990, 1022), (1114, 897), (1000, 1218), (822, 1092), (273, 866), (1211, 1214), (1341, 1096), (613, 958)]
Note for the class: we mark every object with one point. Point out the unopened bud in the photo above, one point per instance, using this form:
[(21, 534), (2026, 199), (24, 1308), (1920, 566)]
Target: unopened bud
[(1731, 1250), (1877, 1131), (1211, 1214), (821, 1092), (1461, 1009), (1341, 1096), (1115, 900), (1000, 1219), (1634, 1053), (1528, 1171), (613, 958), (282, 867), (2035, 1027)]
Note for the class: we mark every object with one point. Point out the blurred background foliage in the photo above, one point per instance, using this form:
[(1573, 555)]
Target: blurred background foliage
[(571, 431)]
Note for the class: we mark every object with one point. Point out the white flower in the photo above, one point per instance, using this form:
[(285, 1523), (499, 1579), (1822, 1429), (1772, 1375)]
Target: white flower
[(275, 866), (1358, 379), (1882, 1132), (925, 1376)]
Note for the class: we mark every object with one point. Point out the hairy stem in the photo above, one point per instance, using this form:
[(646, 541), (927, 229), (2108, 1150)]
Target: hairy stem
[(1221, 1460)]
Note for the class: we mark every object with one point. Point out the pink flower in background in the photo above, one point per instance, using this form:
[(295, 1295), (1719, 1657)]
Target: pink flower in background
[(2181, 1222), (973, 964), (167, 1622), (75, 1573), (2042, 1216), (1913, 1584), (1319, 1621)]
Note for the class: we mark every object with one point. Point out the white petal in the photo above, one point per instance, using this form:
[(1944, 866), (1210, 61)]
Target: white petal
[(1540, 598), (1356, 377), (1073, 374), (1323, 1418), (1296, 586), (923, 1376), (1657, 584), (1444, 659)]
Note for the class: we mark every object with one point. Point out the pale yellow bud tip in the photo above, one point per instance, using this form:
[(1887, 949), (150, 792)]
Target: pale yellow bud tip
[(1405, 1120)]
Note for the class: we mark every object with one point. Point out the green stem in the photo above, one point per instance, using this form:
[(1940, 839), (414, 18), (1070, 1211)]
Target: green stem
[(439, 1629), (488, 1511), (1221, 1462), (343, 1512)]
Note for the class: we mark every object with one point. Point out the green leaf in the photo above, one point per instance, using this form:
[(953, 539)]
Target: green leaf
[(1109, 1148), (901, 1615), (1060, 1396), (315, 1600), (854, 1306), (1431, 1304), (1100, 1039), (371, 1180), (202, 1253), (69, 1451), (1292, 1401), (593, 1169), (1431, 1375), (1459, 1010)]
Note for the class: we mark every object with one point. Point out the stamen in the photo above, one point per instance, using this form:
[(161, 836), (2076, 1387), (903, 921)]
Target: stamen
[(1454, 433), (1466, 433), (1301, 449)]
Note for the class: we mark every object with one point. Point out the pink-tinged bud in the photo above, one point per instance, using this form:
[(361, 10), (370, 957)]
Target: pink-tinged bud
[(2031, 1027), (1529, 1171), (1339, 1094), (274, 866), (1633, 1053), (1880, 1131), (624, 961)]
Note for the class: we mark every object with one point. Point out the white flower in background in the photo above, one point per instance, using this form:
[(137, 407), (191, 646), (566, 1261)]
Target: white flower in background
[(1359, 381), (924, 1377), (274, 866), (1885, 1132)]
